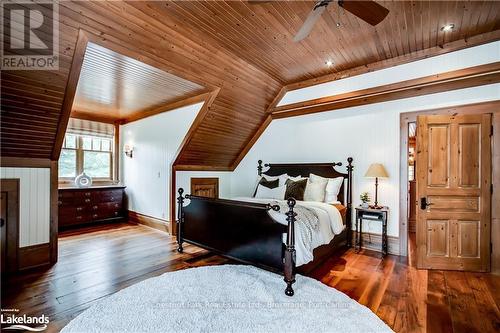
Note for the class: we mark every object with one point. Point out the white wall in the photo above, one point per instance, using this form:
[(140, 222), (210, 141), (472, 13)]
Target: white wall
[(367, 133), (34, 203), (470, 57), (155, 141)]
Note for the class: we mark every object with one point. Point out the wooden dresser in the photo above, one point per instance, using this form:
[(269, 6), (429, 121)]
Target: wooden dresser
[(94, 204)]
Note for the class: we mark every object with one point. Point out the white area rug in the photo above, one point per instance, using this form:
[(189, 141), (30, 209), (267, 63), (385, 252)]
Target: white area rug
[(229, 298)]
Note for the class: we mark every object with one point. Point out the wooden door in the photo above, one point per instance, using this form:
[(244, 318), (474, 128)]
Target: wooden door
[(205, 187), (3, 228), (453, 190)]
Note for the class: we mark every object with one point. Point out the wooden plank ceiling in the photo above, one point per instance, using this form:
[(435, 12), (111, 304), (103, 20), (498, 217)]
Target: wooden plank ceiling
[(116, 87), (245, 50)]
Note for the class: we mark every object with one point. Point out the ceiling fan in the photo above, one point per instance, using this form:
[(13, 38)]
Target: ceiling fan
[(369, 11)]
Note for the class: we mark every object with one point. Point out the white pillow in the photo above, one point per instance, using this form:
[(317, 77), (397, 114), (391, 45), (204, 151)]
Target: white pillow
[(277, 193), (315, 191), (332, 187)]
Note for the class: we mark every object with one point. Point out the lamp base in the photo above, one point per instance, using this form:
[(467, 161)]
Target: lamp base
[(376, 207)]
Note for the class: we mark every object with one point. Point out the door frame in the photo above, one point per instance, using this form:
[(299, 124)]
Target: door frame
[(11, 186), (492, 107)]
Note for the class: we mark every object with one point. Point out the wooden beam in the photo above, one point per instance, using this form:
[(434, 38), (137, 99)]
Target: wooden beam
[(459, 79), (403, 59), (202, 168), (179, 103), (69, 92), (24, 162)]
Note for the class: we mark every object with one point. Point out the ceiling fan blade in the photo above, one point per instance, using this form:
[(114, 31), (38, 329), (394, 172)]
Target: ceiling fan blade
[(369, 11), (306, 28)]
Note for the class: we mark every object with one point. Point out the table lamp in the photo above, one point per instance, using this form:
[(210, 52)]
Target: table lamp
[(376, 170)]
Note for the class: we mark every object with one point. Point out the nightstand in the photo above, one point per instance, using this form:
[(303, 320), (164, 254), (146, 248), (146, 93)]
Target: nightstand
[(371, 214)]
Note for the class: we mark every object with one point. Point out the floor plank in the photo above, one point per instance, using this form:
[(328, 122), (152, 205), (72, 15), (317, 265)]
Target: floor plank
[(98, 261)]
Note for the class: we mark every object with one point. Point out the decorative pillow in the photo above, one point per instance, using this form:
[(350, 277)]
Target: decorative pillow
[(281, 178), (332, 187), (277, 193), (267, 183), (295, 189), (296, 178), (315, 191)]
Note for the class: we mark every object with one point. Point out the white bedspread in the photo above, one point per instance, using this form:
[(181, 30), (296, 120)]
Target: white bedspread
[(330, 224)]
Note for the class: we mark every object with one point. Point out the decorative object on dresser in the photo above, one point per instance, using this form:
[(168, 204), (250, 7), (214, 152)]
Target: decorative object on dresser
[(257, 238), (79, 206), (82, 180), (371, 214), (376, 170)]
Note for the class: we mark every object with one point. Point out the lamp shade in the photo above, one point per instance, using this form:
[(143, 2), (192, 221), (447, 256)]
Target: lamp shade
[(376, 170)]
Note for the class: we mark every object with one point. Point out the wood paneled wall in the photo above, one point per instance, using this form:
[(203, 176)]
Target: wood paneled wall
[(34, 202)]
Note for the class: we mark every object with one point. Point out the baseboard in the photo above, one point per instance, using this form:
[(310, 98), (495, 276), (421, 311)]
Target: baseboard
[(33, 256), (149, 221), (374, 242)]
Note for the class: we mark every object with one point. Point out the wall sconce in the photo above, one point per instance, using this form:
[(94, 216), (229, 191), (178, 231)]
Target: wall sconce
[(128, 149)]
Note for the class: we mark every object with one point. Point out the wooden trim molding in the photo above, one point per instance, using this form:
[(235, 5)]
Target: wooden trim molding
[(373, 242), (70, 92), (459, 79), (149, 221), (54, 211), (34, 256), (11, 187), (24, 162)]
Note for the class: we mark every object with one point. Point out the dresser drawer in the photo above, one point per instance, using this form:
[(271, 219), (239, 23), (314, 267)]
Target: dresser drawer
[(107, 196), (70, 215)]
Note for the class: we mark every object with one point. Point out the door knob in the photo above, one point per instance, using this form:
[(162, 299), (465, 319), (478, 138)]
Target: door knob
[(424, 204)]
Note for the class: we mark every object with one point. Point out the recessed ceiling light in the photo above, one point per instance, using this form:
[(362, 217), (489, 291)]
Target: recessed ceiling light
[(448, 27), (329, 63)]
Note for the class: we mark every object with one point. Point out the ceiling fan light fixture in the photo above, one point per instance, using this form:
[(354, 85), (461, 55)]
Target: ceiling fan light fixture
[(329, 63), (448, 27)]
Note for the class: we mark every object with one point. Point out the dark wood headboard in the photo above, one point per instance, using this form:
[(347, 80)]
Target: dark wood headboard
[(326, 170)]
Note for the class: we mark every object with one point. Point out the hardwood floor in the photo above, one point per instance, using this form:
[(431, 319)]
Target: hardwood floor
[(98, 261)]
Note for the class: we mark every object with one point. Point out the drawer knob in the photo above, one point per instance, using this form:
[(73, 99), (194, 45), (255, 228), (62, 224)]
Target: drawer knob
[(94, 207), (87, 194), (78, 217), (79, 209), (116, 213), (87, 200), (112, 198), (95, 215), (59, 202)]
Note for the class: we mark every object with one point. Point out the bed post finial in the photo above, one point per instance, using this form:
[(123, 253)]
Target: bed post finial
[(350, 167), (290, 248), (180, 219), (259, 167)]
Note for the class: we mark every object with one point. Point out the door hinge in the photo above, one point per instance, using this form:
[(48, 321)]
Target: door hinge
[(491, 133), (491, 247), (491, 188)]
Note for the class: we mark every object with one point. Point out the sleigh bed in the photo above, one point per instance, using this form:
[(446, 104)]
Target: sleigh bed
[(245, 231)]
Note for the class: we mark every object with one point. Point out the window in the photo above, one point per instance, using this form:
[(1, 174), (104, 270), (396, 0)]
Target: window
[(86, 153)]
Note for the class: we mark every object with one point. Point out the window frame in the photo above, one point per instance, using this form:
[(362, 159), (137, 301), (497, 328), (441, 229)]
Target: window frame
[(80, 152)]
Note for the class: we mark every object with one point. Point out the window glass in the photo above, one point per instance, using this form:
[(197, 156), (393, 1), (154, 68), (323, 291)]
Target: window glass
[(70, 141), (106, 145), (67, 163), (96, 144), (97, 164), (87, 143)]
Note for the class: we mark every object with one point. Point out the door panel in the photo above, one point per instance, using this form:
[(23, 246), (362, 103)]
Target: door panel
[(468, 239), (439, 152), (437, 238), (205, 187), (469, 150), (453, 225)]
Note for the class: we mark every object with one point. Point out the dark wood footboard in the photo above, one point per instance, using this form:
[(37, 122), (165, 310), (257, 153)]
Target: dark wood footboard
[(240, 230)]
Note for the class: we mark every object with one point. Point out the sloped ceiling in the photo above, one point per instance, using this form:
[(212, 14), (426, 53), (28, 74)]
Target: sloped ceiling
[(245, 50)]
